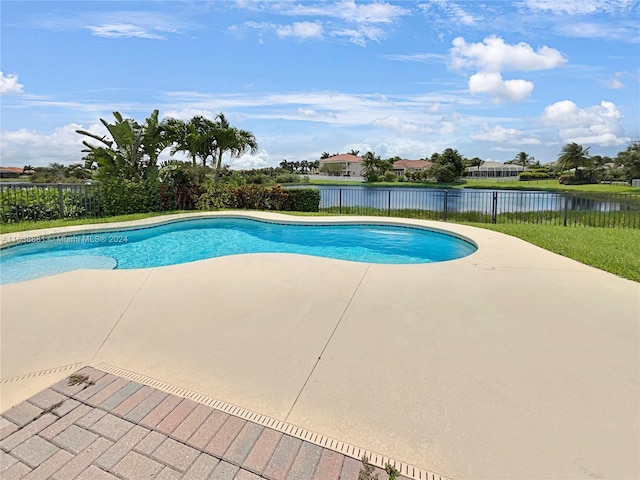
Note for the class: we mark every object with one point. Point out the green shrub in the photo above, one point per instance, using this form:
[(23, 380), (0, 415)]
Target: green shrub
[(278, 198), (120, 196), (251, 197), (216, 197), (390, 177), (534, 175), (305, 199), (288, 178)]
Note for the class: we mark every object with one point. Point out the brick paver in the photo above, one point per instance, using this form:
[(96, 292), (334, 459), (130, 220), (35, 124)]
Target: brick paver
[(15, 472), (282, 458), (50, 466), (7, 428), (225, 436), (202, 467), (34, 451), (22, 414), (133, 401), (188, 427), (121, 395), (110, 428), (176, 455), (177, 415), (305, 463), (75, 439), (47, 399), (261, 452)]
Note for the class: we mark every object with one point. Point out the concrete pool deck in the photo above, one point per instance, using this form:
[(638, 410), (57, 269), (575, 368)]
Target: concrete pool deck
[(512, 362)]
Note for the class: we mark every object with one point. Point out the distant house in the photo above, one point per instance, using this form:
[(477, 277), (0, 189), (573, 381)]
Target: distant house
[(404, 166), (495, 170), (11, 172), (351, 165)]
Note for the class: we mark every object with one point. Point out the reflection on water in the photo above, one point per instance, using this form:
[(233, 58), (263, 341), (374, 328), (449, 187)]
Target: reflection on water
[(461, 200)]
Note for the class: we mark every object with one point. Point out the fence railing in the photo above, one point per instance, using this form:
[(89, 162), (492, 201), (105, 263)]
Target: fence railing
[(48, 201), (56, 201), (552, 208)]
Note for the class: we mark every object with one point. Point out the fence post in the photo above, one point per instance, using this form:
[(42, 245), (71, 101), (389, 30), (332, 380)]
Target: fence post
[(60, 201), (494, 208), (445, 207), (339, 200), (566, 208), (389, 204)]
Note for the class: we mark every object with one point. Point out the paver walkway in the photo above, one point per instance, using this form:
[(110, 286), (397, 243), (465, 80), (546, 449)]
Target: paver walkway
[(107, 427)]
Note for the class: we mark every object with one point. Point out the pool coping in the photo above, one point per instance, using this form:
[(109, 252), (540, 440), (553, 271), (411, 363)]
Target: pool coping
[(30, 236)]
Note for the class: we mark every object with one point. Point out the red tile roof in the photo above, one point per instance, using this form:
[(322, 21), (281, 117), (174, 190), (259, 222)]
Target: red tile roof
[(343, 157), (11, 169)]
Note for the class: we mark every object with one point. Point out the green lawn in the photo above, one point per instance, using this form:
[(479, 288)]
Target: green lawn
[(615, 250), (548, 185), (23, 226)]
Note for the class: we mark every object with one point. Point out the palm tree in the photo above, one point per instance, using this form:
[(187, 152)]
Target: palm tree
[(475, 162), (190, 138), (573, 156), (372, 167), (354, 152), (225, 138), (523, 159)]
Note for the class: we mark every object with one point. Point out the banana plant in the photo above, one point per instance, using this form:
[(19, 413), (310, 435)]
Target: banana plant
[(131, 150)]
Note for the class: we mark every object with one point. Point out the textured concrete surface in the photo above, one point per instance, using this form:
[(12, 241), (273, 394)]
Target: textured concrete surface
[(510, 363)]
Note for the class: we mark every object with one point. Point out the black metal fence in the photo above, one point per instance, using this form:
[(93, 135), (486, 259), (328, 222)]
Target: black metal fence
[(48, 202), (19, 202), (552, 208)]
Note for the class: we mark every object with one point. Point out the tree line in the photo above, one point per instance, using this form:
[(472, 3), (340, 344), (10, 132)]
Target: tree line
[(132, 150)]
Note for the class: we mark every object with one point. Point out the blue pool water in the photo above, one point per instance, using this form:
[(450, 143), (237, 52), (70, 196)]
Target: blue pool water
[(191, 240)]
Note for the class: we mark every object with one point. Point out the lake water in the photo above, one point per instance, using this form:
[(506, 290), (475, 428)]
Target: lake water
[(465, 200)]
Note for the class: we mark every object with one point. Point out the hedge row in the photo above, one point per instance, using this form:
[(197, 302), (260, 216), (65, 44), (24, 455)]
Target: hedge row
[(257, 197), (121, 196)]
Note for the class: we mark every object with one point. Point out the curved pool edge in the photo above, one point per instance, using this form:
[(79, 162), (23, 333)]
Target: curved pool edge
[(29, 236)]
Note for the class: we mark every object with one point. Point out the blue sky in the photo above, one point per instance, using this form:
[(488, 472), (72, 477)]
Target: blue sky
[(406, 78)]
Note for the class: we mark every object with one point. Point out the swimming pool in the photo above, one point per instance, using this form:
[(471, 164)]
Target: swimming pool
[(197, 239)]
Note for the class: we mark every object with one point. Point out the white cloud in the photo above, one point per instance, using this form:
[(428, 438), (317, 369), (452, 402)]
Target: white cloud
[(64, 145), (394, 123), (503, 135), (348, 10), (454, 11), (9, 85), (499, 89), (494, 55), (614, 83), (415, 57), (595, 125), (248, 161), (358, 22), (301, 30), (620, 31), (122, 30), (361, 35), (579, 7), (307, 112)]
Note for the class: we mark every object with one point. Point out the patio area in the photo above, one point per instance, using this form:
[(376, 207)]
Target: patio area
[(512, 362)]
